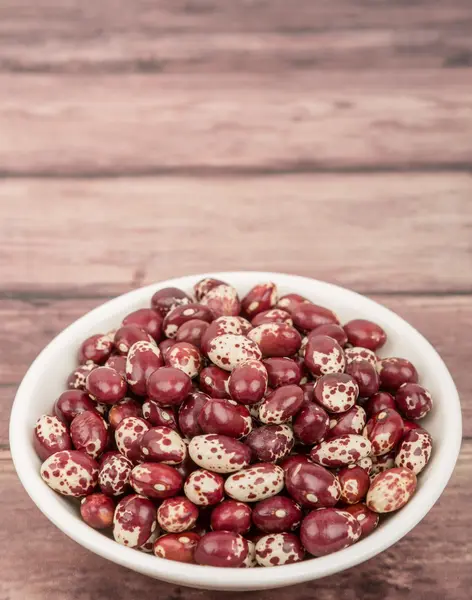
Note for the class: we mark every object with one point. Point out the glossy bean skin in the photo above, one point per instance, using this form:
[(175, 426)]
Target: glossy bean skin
[(127, 335), (204, 488), (219, 453), (260, 298), (228, 351), (311, 485), (225, 417), (277, 514), (128, 435), (134, 521), (367, 519), (281, 404), (222, 300), (273, 315), (294, 459), (167, 298), (96, 349), (221, 549), (155, 480), (384, 430), (97, 511), (192, 332), (255, 483), (224, 326), (356, 353), (352, 421), (168, 386), (202, 287), (279, 549), (50, 436), (354, 482), (56, 472), (189, 413), (366, 377), (163, 445), (214, 382), (328, 530), (390, 490), (186, 357), (128, 407), (177, 546), (394, 372), (341, 451), (332, 330), (147, 319), (413, 400), (159, 415), (290, 302), (311, 424), (142, 360), (378, 402), (89, 433), (177, 514), (336, 392), (270, 443), (117, 362), (366, 334), (179, 315), (106, 385), (231, 515), (76, 379), (282, 371), (276, 339), (113, 477), (414, 450), (247, 383), (323, 355), (307, 316)]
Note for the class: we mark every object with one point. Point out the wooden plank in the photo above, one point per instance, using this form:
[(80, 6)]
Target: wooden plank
[(136, 124), (433, 561), (227, 36), (446, 322), (373, 233)]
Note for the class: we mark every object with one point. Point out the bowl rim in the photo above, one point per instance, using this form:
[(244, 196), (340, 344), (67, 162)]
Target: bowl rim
[(232, 579)]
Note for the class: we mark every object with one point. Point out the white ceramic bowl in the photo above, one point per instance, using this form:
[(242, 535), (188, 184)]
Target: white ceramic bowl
[(46, 377)]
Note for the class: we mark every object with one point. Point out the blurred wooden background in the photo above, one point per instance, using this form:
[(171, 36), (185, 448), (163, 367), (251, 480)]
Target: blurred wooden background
[(141, 140)]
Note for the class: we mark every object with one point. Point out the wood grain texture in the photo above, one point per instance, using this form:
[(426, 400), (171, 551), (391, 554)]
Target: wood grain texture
[(370, 232), (433, 561), (446, 322), (209, 36), (136, 124)]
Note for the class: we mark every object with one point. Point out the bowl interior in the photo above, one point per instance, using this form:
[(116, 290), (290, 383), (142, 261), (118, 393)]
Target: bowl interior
[(46, 378)]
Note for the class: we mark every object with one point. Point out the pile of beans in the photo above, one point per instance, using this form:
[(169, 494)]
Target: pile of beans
[(236, 433)]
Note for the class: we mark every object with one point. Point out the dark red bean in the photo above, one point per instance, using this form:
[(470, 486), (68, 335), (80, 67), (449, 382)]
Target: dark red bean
[(128, 407), (367, 519), (155, 480), (97, 511), (89, 433), (106, 385), (336, 392), (168, 298), (186, 467), (366, 377), (384, 430), (413, 400), (247, 383), (409, 426), (181, 314), (354, 482), (159, 415), (382, 463), (76, 380), (282, 371), (270, 443), (276, 339), (281, 405), (311, 425), (308, 316), (147, 319), (312, 485), (277, 514), (231, 515), (225, 417), (260, 298), (365, 334), (177, 546), (163, 444), (294, 459), (117, 362), (134, 521), (394, 372), (143, 359), (213, 381), (72, 403), (290, 302), (202, 287), (222, 300), (329, 530), (379, 401), (308, 392), (168, 386), (50, 436), (128, 335), (113, 477), (177, 514), (332, 330), (186, 357), (352, 421), (221, 549), (189, 412), (192, 332), (273, 315), (166, 345), (56, 471), (96, 349), (204, 488), (323, 355)]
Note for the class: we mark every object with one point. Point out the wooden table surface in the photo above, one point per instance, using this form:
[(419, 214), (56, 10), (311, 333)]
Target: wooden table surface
[(142, 140)]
